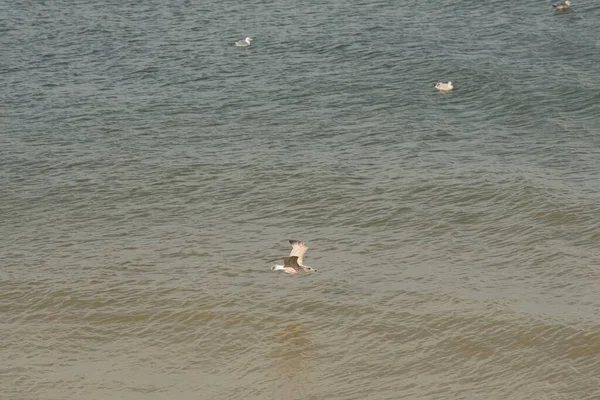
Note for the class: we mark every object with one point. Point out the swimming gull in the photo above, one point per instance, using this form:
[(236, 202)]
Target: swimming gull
[(293, 263), (243, 42), (444, 87), (562, 6)]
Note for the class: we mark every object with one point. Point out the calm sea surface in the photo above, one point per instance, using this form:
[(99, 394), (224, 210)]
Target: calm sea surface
[(150, 172)]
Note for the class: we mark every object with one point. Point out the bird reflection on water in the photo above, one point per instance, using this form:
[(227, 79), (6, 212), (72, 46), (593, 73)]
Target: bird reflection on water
[(291, 353)]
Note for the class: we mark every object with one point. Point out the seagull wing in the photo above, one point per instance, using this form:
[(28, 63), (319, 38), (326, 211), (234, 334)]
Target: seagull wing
[(298, 250), (292, 262)]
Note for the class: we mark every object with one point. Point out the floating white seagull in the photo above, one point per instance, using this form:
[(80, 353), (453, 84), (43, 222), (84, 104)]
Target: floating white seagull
[(562, 6), (293, 263), (243, 42), (444, 87)]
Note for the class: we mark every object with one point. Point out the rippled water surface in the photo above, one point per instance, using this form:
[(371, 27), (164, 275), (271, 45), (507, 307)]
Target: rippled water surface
[(150, 172)]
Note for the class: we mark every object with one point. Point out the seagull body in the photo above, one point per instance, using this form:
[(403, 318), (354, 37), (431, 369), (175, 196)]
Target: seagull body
[(293, 263), (243, 42), (444, 87), (562, 6)]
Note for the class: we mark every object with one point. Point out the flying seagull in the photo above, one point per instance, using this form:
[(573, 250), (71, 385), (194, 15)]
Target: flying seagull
[(243, 42), (293, 263), (562, 6)]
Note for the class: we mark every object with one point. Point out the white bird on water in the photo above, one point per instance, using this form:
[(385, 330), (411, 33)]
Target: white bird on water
[(444, 87), (243, 42), (293, 263), (562, 6)]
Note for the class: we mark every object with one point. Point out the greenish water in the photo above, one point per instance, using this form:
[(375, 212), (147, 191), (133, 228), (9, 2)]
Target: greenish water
[(149, 170)]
